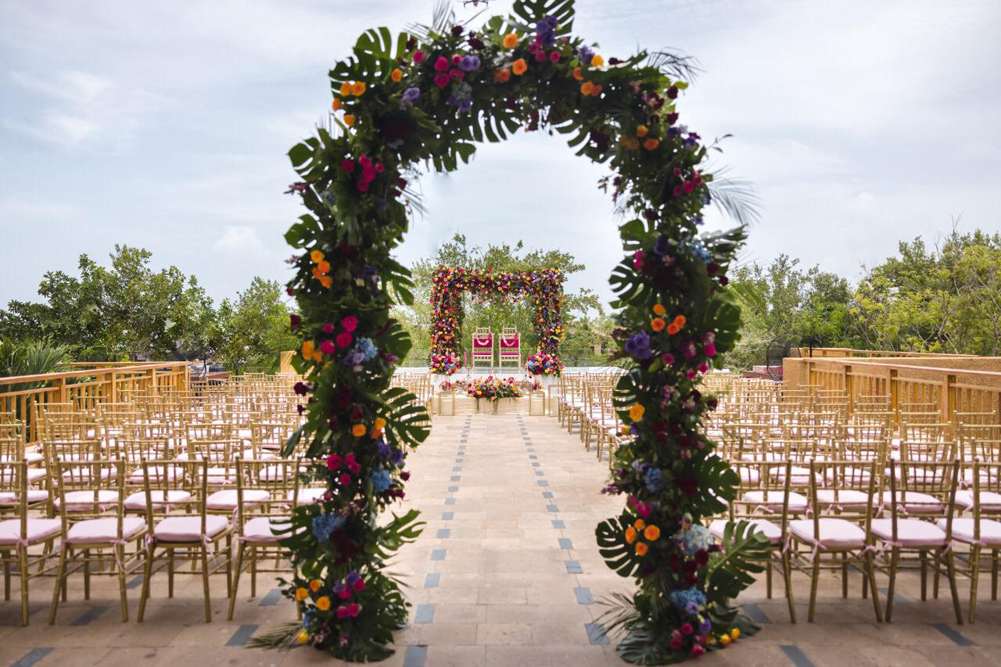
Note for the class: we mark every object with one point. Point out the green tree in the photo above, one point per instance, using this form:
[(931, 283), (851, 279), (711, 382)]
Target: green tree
[(253, 329)]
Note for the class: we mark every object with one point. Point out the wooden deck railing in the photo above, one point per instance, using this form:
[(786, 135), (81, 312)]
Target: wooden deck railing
[(87, 385), (939, 381)]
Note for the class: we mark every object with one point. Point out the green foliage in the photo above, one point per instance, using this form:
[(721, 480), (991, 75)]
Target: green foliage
[(618, 555), (744, 554), (251, 331)]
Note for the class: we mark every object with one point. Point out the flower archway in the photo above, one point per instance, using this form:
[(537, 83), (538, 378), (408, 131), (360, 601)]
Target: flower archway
[(544, 288), (429, 97)]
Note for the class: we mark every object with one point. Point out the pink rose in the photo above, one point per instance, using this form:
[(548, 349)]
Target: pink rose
[(667, 358), (703, 368), (442, 80), (710, 349), (345, 479), (327, 347), (344, 339), (350, 323), (419, 57), (555, 56), (687, 629), (456, 59), (333, 461), (441, 64), (697, 651)]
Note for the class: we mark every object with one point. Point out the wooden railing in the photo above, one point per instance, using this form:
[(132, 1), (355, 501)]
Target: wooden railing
[(941, 382), (90, 384), (842, 352)]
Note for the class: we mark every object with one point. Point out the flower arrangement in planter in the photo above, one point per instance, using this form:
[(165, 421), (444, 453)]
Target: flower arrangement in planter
[(426, 98), (541, 363), (493, 389)]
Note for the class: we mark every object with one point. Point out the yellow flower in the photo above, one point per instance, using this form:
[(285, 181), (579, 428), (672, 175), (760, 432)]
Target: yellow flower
[(586, 88), (630, 535), (625, 430), (302, 637), (358, 430), (358, 89), (659, 309), (349, 119), (641, 131), (641, 548), (510, 41), (345, 89), (652, 533), (636, 412), (724, 640), (651, 144), (307, 348), (397, 75), (597, 61), (301, 594), (323, 604), (658, 324), (380, 423), (315, 585), (735, 633), (316, 256), (640, 524), (519, 66)]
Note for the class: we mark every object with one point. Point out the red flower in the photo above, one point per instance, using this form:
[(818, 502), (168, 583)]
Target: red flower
[(441, 64), (344, 339), (442, 80), (350, 323), (348, 165)]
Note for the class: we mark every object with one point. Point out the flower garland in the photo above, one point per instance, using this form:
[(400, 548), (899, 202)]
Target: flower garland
[(427, 98), (545, 288)]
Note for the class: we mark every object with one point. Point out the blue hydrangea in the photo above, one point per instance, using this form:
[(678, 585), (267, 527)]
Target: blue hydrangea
[(325, 524), (700, 251), (688, 600), (696, 538), (381, 481), (654, 483), (363, 350)]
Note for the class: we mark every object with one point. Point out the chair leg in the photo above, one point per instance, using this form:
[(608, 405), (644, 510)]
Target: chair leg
[(236, 581), (229, 566), (253, 571), (844, 575), (122, 590), (787, 577), (974, 580), (894, 560), (870, 568), (205, 583), (994, 574), (60, 583), (6, 574), (768, 579), (170, 573), (950, 560), (86, 574), (147, 575), (814, 582), (924, 575), (22, 554)]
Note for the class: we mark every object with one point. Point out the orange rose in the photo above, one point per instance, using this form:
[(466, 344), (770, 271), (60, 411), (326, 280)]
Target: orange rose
[(510, 41), (652, 533), (596, 90), (316, 256), (639, 524), (349, 119), (358, 88), (586, 88), (358, 430), (327, 281), (315, 585), (336, 104), (658, 324), (397, 75), (597, 61), (323, 604), (519, 66), (659, 309), (680, 321), (651, 143), (502, 76), (642, 131), (641, 549), (630, 535), (631, 143), (301, 594), (673, 328), (345, 89), (577, 75), (323, 267)]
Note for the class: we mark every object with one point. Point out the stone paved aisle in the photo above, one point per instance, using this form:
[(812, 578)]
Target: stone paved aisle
[(506, 573)]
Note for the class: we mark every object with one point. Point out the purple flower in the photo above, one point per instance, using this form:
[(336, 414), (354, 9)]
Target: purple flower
[(469, 63), (585, 53), (465, 106), (638, 346), (410, 96), (662, 246)]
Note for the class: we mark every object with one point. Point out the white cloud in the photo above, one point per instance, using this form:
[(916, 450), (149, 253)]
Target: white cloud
[(239, 241)]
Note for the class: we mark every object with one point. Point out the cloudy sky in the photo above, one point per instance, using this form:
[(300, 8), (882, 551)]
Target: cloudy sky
[(164, 125)]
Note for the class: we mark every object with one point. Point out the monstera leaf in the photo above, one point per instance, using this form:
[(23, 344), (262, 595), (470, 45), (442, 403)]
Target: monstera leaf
[(631, 287), (406, 420), (744, 554), (717, 484), (534, 10), (612, 546)]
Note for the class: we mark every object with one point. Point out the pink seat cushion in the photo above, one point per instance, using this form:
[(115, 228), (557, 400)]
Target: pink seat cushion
[(834, 533), (989, 500), (34, 496), (310, 495), (103, 531), (7, 476), (914, 502), (764, 526), (189, 528), (30, 457), (137, 501), (911, 533), (845, 497), (84, 501), (226, 501), (962, 530), (38, 530), (261, 529), (772, 500), (156, 474)]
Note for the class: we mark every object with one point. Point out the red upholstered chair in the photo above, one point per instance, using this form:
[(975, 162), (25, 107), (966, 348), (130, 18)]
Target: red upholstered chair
[(510, 348), (483, 348)]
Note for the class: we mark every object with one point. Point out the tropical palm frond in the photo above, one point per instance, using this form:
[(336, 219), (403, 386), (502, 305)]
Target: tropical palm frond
[(441, 17), (675, 64), (736, 198)]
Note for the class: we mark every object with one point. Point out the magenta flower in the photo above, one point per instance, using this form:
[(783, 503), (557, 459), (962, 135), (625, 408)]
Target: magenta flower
[(703, 368), (667, 358), (710, 349), (419, 57), (294, 321), (441, 64), (687, 629), (442, 80), (345, 479), (327, 347), (555, 56), (334, 461), (344, 339), (328, 328), (456, 59), (351, 464), (350, 323)]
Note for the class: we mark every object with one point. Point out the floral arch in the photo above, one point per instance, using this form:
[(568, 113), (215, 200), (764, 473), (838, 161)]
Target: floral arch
[(428, 97), (544, 288)]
